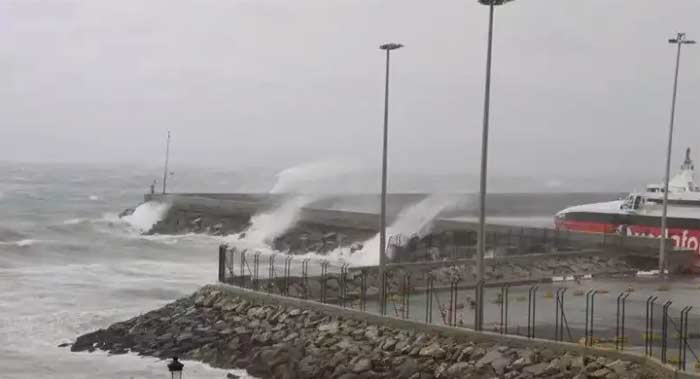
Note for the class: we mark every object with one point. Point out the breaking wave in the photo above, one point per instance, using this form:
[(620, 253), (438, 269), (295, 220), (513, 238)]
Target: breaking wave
[(267, 226), (415, 219), (146, 215), (311, 177), (75, 221), (20, 243)]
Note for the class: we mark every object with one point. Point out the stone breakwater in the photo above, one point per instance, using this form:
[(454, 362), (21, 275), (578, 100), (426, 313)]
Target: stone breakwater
[(275, 341)]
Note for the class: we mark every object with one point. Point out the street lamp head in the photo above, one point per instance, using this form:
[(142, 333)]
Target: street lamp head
[(681, 39), (391, 46), (495, 2), (175, 367)]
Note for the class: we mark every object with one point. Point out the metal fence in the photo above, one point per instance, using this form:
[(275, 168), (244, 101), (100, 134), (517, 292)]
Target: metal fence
[(462, 244), (555, 311)]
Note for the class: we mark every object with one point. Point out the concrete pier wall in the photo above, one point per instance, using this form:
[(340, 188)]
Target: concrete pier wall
[(243, 206)]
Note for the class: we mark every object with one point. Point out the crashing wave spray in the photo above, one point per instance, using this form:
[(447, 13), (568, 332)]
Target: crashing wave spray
[(415, 219), (146, 215), (268, 225), (312, 177)]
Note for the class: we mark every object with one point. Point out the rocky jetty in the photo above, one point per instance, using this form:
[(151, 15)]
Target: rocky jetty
[(179, 221), (311, 236), (274, 341)]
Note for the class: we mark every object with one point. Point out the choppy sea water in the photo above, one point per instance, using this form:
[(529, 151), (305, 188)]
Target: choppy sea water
[(69, 265)]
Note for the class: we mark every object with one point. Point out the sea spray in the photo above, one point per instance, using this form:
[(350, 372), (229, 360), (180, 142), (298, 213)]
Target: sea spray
[(146, 215), (270, 224), (415, 219), (266, 226), (312, 177), (20, 243)]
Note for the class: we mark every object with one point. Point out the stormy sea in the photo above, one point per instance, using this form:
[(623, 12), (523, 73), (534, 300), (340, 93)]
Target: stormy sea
[(70, 265)]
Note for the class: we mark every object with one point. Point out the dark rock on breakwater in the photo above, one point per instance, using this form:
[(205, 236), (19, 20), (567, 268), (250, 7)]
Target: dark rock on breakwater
[(274, 341), (316, 231)]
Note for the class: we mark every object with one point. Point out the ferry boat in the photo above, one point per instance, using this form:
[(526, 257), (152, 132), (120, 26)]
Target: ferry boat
[(639, 214)]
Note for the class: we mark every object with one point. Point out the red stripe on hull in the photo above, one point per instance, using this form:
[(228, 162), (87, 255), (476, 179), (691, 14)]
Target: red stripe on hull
[(683, 238), (586, 226)]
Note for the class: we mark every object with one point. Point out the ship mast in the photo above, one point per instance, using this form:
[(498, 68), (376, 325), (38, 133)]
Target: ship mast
[(167, 156), (688, 163)]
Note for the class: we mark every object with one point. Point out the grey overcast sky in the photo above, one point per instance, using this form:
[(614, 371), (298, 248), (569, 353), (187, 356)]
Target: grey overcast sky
[(580, 87)]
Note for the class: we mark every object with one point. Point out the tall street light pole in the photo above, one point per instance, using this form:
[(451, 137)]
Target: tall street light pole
[(479, 314), (679, 41), (388, 47)]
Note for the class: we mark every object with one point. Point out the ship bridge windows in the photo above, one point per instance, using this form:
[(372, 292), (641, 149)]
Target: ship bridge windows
[(633, 202), (638, 201)]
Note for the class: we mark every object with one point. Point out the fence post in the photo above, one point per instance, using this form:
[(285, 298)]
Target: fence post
[(383, 283), (479, 297), (622, 329), (243, 265), (590, 312), (457, 280), (685, 336), (222, 263), (682, 338), (270, 273), (342, 284), (562, 316), (591, 330), (531, 310), (664, 330), (557, 314), (305, 277), (450, 308), (287, 273), (324, 269), (363, 290), (617, 321), (406, 295), (504, 309), (256, 269), (648, 348), (429, 300)]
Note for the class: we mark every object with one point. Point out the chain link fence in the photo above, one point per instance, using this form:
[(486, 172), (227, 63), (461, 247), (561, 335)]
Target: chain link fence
[(560, 311)]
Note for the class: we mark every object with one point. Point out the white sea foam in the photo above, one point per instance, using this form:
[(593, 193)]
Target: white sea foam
[(23, 243), (110, 217), (414, 219), (172, 239), (146, 215), (74, 221), (20, 243), (94, 197), (266, 226)]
